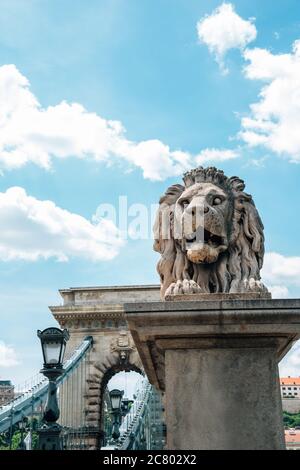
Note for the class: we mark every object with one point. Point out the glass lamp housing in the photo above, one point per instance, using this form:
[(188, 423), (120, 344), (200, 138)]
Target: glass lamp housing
[(53, 342), (115, 399)]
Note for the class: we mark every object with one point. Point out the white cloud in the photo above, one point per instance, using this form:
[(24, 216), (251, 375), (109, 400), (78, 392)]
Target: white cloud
[(223, 30), (32, 229), (274, 120), (290, 365), (278, 292), (8, 356), (215, 155), (279, 270), (31, 133)]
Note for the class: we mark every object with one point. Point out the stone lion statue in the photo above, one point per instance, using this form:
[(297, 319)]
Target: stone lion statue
[(209, 235)]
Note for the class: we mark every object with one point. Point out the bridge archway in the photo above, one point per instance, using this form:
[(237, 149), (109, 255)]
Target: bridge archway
[(108, 383), (101, 373), (99, 312)]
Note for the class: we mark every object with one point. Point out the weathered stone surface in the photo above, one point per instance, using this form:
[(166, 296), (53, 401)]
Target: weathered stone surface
[(95, 377), (231, 399), (218, 296), (217, 360), (92, 417), (210, 236), (93, 385), (185, 322), (93, 395), (108, 295), (92, 408), (94, 400), (291, 405)]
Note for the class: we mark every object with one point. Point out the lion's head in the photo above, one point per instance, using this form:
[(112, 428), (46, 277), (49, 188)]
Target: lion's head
[(210, 236)]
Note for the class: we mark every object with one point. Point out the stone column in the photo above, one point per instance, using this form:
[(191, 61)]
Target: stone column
[(217, 361)]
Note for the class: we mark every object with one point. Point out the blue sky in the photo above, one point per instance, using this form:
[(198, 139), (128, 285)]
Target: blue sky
[(173, 87)]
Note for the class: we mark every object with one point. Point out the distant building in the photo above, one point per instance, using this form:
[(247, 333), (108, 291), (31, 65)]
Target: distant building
[(290, 387), (6, 391), (292, 439)]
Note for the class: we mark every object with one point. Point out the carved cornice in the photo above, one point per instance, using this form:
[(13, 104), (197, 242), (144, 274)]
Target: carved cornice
[(85, 306), (88, 312), (90, 316)]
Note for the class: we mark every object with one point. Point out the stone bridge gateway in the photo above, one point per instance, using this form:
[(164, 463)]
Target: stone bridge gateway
[(99, 312)]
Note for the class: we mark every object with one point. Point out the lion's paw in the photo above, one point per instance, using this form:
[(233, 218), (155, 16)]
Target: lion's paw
[(183, 287), (253, 285)]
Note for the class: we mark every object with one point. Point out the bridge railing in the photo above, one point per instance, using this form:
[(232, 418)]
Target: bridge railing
[(131, 420)]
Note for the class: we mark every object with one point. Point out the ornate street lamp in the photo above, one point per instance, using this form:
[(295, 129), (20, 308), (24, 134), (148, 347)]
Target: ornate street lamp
[(53, 342), (115, 401)]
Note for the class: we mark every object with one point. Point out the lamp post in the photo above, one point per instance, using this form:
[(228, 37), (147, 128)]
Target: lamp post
[(53, 342), (115, 401)]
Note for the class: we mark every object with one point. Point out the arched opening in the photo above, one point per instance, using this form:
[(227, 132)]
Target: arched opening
[(126, 379)]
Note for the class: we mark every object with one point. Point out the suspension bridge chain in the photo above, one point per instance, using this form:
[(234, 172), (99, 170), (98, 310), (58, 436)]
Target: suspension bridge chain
[(132, 421)]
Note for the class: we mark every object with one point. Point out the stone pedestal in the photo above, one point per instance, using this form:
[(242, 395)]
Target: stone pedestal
[(217, 362)]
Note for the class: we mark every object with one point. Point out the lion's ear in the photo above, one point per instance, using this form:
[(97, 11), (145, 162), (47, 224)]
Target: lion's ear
[(172, 194), (236, 183)]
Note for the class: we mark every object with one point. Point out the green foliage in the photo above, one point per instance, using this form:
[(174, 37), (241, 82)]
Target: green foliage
[(5, 440), (16, 440), (34, 440), (291, 420)]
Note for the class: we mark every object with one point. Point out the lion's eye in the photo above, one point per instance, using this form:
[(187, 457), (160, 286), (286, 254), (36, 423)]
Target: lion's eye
[(217, 200), (184, 202)]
